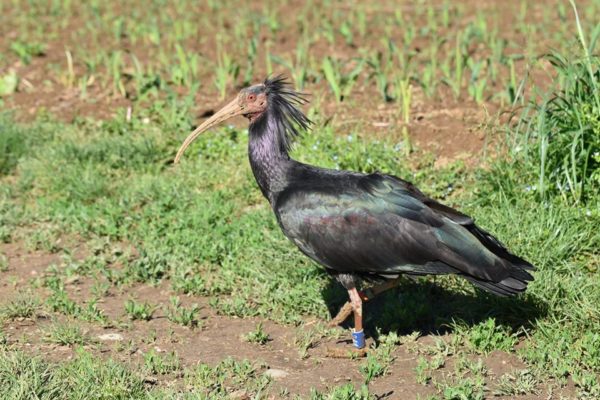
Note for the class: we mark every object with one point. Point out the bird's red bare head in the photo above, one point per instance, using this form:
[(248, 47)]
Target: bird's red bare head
[(252, 102)]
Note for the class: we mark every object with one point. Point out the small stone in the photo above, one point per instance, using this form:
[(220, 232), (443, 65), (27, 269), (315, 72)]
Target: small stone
[(276, 373), (111, 337)]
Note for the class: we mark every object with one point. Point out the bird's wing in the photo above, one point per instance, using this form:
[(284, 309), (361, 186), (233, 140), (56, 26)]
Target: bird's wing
[(384, 184), (382, 224)]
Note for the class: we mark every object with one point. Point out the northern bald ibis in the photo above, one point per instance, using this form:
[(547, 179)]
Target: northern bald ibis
[(372, 227)]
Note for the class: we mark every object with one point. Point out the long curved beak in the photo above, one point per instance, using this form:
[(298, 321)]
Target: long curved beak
[(230, 110)]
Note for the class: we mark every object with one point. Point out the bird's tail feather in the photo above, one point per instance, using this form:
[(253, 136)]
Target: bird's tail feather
[(504, 288), (518, 277), (496, 247)]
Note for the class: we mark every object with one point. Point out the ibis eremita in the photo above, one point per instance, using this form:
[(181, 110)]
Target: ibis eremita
[(360, 227)]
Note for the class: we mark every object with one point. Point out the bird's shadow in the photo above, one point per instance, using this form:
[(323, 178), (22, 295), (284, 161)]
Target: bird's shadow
[(430, 308)]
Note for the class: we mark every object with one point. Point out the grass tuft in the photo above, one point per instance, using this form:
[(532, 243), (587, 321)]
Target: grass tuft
[(24, 305)]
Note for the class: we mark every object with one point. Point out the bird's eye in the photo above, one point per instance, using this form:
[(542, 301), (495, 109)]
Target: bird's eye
[(251, 97)]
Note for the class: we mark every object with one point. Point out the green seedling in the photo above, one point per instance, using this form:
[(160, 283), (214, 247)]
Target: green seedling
[(139, 311), (182, 315), (258, 336), (25, 305), (66, 334), (226, 71), (340, 82), (161, 364), (27, 51)]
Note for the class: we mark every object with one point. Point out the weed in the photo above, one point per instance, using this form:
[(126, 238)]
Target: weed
[(185, 72), (340, 82), (517, 383), (161, 364), (66, 334), (372, 368), (422, 371), (562, 134), (380, 358), (100, 289), (344, 392), (13, 145), (182, 315), (27, 50), (227, 70), (191, 282), (468, 388), (569, 130), (60, 302), (139, 311), (488, 336), (405, 94), (258, 335), (9, 83), (425, 367), (306, 339), (227, 377), (25, 305), (23, 376)]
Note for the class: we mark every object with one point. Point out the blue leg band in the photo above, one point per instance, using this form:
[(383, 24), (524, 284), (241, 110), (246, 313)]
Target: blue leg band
[(358, 338)]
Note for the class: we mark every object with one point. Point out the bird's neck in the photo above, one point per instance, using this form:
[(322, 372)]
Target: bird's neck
[(269, 159)]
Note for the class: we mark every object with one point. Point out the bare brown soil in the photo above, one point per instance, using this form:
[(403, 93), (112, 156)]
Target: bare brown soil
[(448, 128), (216, 338)]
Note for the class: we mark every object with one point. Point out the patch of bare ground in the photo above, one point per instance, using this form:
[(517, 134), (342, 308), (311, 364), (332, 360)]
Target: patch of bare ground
[(215, 338), (449, 128)]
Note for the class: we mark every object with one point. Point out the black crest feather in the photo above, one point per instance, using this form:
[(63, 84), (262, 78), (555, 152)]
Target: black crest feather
[(284, 102)]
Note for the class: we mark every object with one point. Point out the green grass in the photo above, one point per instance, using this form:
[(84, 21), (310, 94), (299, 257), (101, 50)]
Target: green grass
[(258, 336), (153, 51), (516, 383), (13, 144), (24, 377), (161, 364), (66, 334), (139, 310), (186, 316), (25, 305)]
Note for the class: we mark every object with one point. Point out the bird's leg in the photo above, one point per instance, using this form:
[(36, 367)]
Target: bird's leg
[(342, 315), (358, 335), (365, 295), (356, 302)]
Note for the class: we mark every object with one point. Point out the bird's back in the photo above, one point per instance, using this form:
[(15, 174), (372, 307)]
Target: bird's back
[(380, 225)]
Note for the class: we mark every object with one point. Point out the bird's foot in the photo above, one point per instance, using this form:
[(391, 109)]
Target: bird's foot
[(359, 349), (346, 352)]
